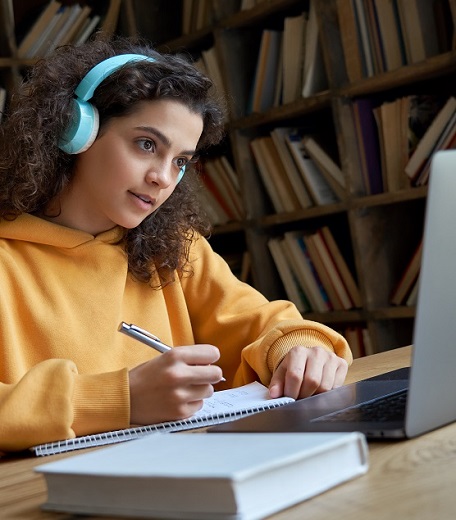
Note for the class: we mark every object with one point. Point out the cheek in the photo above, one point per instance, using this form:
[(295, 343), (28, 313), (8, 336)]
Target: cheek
[(166, 194)]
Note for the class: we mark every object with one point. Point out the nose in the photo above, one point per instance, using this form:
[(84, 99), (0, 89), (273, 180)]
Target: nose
[(160, 174)]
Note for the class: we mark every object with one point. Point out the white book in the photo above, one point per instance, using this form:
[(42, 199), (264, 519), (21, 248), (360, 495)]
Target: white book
[(318, 187), (223, 406), (324, 160), (303, 269), (314, 77), (268, 182), (37, 29), (204, 476), (289, 279), (43, 40), (279, 137), (69, 18), (87, 29)]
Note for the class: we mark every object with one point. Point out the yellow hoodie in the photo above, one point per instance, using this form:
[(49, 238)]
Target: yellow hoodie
[(63, 364)]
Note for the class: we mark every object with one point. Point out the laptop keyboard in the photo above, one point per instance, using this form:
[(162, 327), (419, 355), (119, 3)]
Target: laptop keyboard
[(383, 409)]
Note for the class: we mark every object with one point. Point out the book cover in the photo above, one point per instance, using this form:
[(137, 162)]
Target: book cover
[(268, 182), (314, 78), (318, 188), (408, 278), (334, 275), (306, 273), (392, 120), (389, 33), (349, 39), (267, 71), (294, 30), (196, 476), (364, 41), (37, 29), (427, 142), (279, 138), (279, 173), (366, 128), (322, 272), (328, 167), (419, 29), (222, 185), (290, 282), (342, 266)]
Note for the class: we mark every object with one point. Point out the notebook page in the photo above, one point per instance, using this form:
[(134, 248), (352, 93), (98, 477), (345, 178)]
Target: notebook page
[(222, 406)]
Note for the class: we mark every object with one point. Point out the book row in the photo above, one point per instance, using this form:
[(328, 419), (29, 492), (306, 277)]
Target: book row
[(317, 278), (58, 24), (221, 194), (383, 35), (314, 273), (396, 139), (289, 64)]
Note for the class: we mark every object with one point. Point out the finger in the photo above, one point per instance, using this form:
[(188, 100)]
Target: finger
[(330, 374), (201, 354), (276, 386), (294, 379), (341, 373)]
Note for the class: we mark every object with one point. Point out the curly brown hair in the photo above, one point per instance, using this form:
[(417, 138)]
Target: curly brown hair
[(33, 170)]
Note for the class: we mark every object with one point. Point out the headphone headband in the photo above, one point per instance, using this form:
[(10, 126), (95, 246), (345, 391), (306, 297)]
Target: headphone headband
[(101, 71)]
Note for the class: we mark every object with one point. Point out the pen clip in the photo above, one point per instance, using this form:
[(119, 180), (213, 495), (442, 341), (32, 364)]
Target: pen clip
[(131, 329), (145, 332)]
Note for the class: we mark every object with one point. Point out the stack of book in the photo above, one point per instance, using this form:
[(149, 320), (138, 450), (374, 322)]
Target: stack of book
[(221, 196), (440, 135), (406, 290), (296, 170), (397, 138), (313, 271), (383, 35), (57, 25), (289, 64)]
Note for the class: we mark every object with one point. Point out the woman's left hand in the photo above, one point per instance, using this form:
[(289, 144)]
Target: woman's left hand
[(306, 371)]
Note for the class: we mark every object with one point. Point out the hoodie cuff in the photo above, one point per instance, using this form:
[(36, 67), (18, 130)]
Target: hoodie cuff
[(101, 402), (311, 337)]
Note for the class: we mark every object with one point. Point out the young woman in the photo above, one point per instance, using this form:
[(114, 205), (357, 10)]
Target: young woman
[(99, 224)]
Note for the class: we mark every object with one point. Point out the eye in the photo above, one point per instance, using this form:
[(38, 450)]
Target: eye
[(180, 162), (148, 145)]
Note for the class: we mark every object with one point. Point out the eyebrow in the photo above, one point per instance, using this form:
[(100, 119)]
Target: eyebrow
[(162, 137)]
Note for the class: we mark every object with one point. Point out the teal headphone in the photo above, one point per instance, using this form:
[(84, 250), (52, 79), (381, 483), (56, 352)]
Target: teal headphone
[(83, 130)]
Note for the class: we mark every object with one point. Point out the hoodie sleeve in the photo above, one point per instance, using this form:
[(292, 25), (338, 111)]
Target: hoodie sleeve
[(252, 333), (53, 402)]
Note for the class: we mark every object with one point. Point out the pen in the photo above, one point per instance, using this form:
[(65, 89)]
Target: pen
[(146, 337)]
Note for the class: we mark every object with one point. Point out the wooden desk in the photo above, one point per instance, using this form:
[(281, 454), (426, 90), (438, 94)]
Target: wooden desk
[(407, 480)]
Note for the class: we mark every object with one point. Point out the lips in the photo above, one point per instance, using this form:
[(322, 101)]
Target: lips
[(145, 198)]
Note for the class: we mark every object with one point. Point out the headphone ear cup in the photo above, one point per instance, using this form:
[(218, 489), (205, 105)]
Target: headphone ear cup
[(181, 174), (83, 129)]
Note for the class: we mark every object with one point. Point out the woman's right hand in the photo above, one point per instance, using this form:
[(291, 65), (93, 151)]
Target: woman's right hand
[(173, 385)]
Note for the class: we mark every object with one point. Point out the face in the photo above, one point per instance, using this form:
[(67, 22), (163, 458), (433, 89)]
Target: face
[(132, 167)]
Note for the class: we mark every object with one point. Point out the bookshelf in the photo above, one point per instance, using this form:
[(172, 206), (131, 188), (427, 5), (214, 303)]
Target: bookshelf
[(377, 232)]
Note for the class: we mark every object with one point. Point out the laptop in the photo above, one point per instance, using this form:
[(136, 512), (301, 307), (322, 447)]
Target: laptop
[(426, 391)]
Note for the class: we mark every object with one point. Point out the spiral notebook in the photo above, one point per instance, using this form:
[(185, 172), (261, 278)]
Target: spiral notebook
[(223, 406)]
